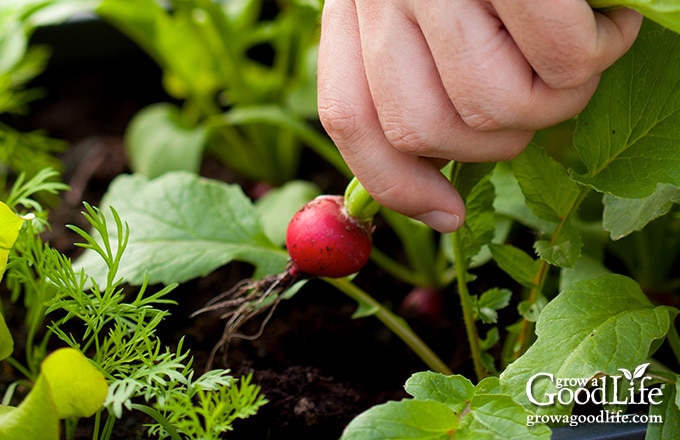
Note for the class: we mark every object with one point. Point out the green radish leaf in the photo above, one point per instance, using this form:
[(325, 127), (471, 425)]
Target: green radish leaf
[(547, 187), (595, 327), (664, 12), (406, 419), (446, 407), (157, 141), (490, 301), (479, 227), (68, 386), (637, 145), (279, 205), (470, 175), (669, 412), (497, 416), (510, 201), (516, 263), (183, 226), (623, 216), (173, 40), (564, 247), (454, 391)]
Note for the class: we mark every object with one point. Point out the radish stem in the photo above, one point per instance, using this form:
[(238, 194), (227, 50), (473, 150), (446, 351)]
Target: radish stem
[(393, 322)]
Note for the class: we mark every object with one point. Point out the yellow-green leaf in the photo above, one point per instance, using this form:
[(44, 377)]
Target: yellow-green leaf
[(68, 386), (77, 387), (10, 224), (6, 341)]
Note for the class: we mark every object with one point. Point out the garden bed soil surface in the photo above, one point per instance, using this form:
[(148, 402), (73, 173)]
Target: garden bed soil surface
[(316, 365)]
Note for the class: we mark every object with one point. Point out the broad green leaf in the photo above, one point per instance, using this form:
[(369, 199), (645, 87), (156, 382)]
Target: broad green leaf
[(6, 340), (510, 201), (454, 391), (497, 416), (516, 263), (595, 327), (490, 301), (157, 141), (622, 216), (173, 40), (563, 249), (406, 419), (469, 175), (446, 407), (479, 227), (549, 191), (669, 413), (68, 386), (628, 136), (183, 226), (664, 12), (10, 225), (279, 205)]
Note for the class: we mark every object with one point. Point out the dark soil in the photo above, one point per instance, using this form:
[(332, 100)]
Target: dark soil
[(316, 365)]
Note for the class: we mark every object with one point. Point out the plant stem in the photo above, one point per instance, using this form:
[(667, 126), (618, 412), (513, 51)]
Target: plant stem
[(466, 305), (393, 322), (359, 202), (524, 338), (158, 417)]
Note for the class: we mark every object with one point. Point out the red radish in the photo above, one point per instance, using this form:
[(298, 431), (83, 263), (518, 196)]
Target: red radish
[(324, 240), (425, 302)]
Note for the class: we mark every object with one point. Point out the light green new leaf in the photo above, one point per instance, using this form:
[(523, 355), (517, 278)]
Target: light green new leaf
[(183, 226), (454, 391), (406, 419), (629, 134), (596, 326), (563, 249), (664, 12), (6, 340), (489, 302), (516, 263), (10, 225), (77, 387), (547, 188), (157, 142), (68, 386), (623, 216)]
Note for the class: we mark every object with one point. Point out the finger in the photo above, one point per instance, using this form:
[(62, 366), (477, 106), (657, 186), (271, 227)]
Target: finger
[(565, 41), (486, 75), (402, 182), (414, 108)]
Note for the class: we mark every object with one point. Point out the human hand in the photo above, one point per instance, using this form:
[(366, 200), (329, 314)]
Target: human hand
[(406, 85)]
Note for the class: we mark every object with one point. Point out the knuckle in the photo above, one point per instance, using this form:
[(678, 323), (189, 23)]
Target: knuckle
[(406, 137), (338, 118), (481, 119)]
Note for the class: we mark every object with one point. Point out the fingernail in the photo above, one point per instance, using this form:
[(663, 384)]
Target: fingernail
[(440, 220)]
